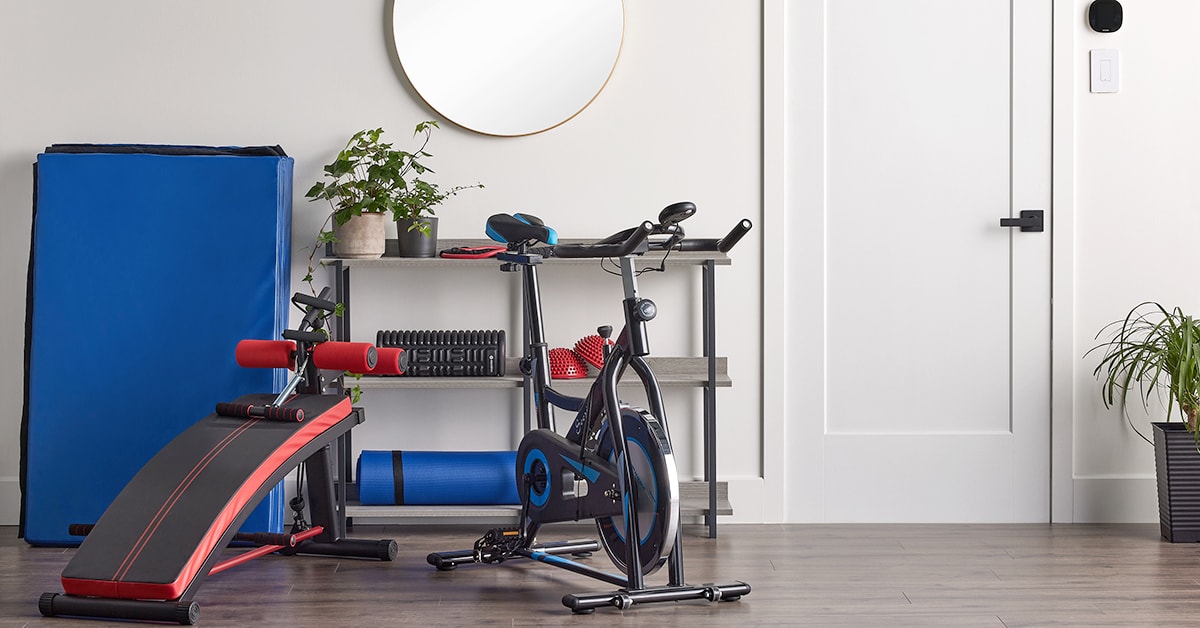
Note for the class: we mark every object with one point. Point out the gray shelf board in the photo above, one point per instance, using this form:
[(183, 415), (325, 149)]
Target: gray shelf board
[(369, 382), (671, 371), (363, 512), (693, 501), (391, 260)]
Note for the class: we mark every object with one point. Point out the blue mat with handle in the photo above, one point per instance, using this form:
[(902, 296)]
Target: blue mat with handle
[(147, 265)]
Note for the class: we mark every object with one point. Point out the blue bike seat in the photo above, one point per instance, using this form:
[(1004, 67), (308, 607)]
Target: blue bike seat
[(517, 228)]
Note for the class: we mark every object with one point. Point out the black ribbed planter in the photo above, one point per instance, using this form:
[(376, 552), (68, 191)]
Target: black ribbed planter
[(1177, 464)]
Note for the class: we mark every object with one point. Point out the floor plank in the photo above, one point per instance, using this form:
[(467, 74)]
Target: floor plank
[(1004, 576)]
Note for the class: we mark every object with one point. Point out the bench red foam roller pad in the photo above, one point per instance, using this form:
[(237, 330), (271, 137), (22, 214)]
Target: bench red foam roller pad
[(356, 357), (266, 354), (391, 361)]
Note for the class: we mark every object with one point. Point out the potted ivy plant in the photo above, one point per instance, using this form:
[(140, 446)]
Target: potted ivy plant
[(370, 180), (1154, 352)]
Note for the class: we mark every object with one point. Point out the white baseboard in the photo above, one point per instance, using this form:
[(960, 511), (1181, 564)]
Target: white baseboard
[(1099, 499), (746, 497), (1115, 499), (745, 494), (10, 501)]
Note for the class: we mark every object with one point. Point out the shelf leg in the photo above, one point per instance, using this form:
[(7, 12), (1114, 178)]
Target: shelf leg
[(710, 393)]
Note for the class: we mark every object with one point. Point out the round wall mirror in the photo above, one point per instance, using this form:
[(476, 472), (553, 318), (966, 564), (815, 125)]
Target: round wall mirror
[(508, 67)]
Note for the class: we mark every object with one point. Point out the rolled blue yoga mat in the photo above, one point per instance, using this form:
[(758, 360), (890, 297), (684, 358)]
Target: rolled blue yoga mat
[(437, 478)]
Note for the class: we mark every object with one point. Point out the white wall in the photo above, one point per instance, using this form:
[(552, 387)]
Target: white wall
[(679, 119), (682, 117), (1136, 214)]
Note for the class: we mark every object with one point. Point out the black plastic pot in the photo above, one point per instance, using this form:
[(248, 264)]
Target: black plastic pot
[(1177, 465), (414, 243)]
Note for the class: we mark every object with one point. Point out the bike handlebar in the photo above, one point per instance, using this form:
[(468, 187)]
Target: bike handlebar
[(722, 245), (735, 235), (620, 249)]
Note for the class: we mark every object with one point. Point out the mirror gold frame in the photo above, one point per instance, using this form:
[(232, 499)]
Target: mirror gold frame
[(508, 67)]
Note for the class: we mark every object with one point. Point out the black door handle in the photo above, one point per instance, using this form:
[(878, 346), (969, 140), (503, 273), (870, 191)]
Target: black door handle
[(1030, 220)]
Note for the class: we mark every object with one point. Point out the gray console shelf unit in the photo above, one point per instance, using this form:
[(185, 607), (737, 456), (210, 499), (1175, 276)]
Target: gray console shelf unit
[(707, 498)]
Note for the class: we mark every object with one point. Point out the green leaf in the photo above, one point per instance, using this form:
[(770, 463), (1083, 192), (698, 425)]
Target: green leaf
[(370, 175), (1152, 351)]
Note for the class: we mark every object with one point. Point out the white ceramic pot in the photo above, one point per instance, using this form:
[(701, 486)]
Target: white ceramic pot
[(362, 237)]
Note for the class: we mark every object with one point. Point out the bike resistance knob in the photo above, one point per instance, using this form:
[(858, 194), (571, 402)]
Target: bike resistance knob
[(645, 310)]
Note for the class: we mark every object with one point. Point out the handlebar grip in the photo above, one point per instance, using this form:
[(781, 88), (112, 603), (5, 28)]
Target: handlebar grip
[(266, 354), (80, 529), (356, 357), (305, 336), (723, 245), (276, 413), (317, 302), (698, 244), (636, 238), (250, 411), (734, 235), (315, 308)]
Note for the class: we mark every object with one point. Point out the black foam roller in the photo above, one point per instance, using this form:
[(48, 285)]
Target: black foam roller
[(448, 353)]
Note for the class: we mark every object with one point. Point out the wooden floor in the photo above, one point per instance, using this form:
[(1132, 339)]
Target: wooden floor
[(816, 575)]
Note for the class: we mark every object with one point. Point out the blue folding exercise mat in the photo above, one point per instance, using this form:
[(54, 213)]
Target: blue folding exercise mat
[(147, 265), (437, 477)]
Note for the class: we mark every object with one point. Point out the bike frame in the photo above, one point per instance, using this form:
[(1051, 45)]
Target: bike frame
[(632, 345), (591, 411)]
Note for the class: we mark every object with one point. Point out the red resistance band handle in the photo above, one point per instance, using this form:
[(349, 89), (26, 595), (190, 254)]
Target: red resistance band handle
[(392, 361), (356, 357), (270, 413), (266, 354)]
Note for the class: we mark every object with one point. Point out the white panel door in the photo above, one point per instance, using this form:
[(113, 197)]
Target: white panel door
[(934, 336)]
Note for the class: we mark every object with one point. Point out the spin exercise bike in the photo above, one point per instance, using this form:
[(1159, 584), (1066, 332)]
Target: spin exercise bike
[(168, 528), (621, 473)]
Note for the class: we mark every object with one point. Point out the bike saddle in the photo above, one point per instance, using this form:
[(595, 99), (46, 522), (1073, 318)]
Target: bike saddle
[(516, 228)]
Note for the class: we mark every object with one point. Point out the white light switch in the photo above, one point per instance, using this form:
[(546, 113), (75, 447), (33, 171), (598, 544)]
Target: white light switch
[(1106, 71)]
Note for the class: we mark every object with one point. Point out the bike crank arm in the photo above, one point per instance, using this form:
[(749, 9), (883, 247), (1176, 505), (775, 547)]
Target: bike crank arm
[(446, 561)]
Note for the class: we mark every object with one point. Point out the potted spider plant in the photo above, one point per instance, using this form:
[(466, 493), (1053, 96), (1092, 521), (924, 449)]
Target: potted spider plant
[(369, 180), (1154, 352)]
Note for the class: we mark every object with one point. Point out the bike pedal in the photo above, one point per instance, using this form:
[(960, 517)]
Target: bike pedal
[(497, 545)]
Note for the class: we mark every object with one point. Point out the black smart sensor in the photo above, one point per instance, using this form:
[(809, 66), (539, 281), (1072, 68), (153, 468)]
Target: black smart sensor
[(1105, 16)]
